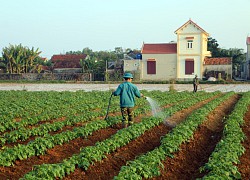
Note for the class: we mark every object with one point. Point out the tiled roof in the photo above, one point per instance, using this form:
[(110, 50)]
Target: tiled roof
[(218, 61), (191, 22), (164, 48), (248, 40), (44, 59), (67, 61), (67, 57)]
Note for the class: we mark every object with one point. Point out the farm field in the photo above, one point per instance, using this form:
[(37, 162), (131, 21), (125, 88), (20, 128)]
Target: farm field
[(63, 135)]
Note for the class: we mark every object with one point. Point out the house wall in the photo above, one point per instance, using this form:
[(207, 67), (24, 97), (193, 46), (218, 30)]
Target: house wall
[(131, 65), (248, 51), (182, 44), (248, 62), (197, 69), (165, 67), (226, 68), (67, 70), (185, 53), (204, 53), (198, 52)]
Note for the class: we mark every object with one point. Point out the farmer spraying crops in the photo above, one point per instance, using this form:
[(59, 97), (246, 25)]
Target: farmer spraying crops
[(195, 83), (127, 92)]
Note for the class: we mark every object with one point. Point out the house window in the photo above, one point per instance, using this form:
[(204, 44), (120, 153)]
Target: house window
[(189, 66), (151, 66), (189, 44)]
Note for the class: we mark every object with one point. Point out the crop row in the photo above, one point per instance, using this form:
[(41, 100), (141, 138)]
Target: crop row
[(54, 106), (27, 104), (147, 165), (71, 119), (43, 130), (41, 144), (91, 154), (222, 161)]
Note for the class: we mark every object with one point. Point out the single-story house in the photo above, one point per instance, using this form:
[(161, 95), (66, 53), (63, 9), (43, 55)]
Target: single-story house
[(69, 63), (215, 66)]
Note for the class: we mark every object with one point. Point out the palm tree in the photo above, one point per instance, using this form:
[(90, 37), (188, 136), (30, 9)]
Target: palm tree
[(8, 58), (19, 59), (31, 55), (85, 65)]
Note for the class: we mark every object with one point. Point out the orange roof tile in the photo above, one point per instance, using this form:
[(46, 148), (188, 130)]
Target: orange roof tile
[(44, 59), (164, 48), (67, 61), (218, 61), (68, 57), (191, 22)]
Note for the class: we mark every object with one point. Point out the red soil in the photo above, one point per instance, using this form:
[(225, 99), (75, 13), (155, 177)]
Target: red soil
[(185, 165), (244, 166), (195, 153)]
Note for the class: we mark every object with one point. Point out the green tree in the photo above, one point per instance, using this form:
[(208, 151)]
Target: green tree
[(213, 47), (237, 55), (97, 60), (85, 65), (19, 59), (2, 64), (87, 51)]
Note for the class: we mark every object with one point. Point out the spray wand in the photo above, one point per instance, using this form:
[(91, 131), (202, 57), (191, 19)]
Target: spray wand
[(106, 117)]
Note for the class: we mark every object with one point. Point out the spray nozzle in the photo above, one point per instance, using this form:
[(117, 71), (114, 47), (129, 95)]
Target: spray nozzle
[(145, 97)]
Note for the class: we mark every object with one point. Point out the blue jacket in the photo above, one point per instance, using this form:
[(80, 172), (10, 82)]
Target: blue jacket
[(127, 92)]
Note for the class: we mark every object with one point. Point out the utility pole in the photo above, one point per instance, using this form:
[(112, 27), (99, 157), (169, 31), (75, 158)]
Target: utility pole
[(106, 70)]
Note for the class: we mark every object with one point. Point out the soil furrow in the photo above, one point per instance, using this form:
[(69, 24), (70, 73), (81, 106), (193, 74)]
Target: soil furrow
[(194, 154), (56, 154), (60, 152), (244, 166), (110, 166)]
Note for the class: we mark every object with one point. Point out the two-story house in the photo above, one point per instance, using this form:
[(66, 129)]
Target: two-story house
[(179, 60)]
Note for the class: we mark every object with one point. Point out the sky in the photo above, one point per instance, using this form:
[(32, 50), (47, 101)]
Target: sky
[(59, 26)]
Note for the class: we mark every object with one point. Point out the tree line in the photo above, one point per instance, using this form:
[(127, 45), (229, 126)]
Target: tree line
[(21, 59), (238, 55)]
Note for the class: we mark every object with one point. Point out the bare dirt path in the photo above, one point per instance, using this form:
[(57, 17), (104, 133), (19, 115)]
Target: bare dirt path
[(106, 87)]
